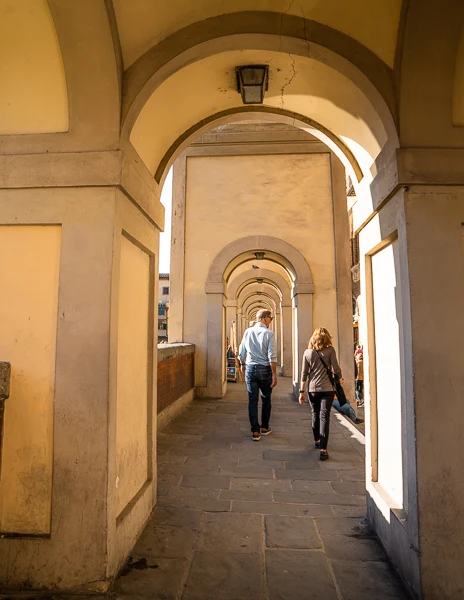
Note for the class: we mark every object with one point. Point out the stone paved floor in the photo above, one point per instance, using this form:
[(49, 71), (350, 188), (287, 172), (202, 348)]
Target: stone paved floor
[(244, 520)]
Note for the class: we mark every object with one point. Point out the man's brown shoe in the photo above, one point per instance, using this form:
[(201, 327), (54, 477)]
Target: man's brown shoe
[(265, 431), (256, 436)]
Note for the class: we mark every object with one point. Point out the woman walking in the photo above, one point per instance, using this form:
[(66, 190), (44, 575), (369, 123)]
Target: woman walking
[(317, 359)]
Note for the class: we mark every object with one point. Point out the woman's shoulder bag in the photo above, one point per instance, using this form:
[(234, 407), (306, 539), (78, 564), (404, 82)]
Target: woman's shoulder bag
[(335, 381)]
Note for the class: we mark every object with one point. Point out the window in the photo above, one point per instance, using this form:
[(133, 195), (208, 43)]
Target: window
[(161, 311), (165, 291)]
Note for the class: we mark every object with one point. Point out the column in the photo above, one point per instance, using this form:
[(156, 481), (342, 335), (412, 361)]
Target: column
[(287, 339), (303, 327), (77, 314), (177, 269), (412, 258), (239, 326), (215, 343)]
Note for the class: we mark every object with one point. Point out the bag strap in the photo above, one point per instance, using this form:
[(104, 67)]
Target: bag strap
[(329, 373)]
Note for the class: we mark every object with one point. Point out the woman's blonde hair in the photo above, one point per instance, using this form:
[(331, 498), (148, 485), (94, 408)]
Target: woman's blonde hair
[(320, 339)]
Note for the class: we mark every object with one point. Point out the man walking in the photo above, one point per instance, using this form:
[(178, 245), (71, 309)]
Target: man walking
[(258, 349)]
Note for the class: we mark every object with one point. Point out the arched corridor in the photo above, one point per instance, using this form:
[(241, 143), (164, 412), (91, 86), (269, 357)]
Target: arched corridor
[(343, 179)]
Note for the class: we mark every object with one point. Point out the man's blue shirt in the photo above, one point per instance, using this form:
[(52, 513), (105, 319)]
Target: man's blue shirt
[(258, 346)]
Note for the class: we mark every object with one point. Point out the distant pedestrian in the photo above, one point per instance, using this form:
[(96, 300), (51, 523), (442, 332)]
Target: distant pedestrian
[(347, 410), (317, 359), (359, 358), (258, 359)]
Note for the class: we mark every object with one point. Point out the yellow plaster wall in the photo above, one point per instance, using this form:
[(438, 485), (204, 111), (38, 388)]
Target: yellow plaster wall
[(284, 196), (132, 375), (33, 94), (143, 24), (29, 275), (298, 84)]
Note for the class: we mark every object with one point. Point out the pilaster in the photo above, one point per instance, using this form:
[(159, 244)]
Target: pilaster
[(81, 233)]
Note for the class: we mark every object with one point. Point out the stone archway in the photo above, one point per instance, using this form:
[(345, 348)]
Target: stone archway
[(220, 272), (262, 31), (282, 285)]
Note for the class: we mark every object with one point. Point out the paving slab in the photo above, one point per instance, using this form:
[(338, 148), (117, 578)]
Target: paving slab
[(257, 463), (211, 461), (299, 575), (349, 487), (246, 495), (227, 532), (302, 457), (203, 504), (366, 581), (206, 481), (313, 474), (193, 469), (175, 517), (167, 574), (225, 576), (339, 525), (358, 512), (260, 484), (352, 475), (353, 548), (166, 481), (291, 532), (247, 472), (282, 508), (312, 486), (165, 542), (326, 499), (190, 492)]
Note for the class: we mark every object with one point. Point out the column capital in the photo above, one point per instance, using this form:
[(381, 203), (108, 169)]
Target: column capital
[(106, 168), (418, 166), (212, 287), (302, 288)]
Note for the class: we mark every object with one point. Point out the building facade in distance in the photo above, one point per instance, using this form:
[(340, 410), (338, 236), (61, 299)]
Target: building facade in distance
[(163, 307)]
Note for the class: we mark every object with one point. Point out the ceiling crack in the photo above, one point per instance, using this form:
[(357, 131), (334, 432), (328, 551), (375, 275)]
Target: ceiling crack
[(289, 81)]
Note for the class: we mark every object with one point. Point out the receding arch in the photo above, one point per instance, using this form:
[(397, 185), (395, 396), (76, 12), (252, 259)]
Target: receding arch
[(257, 295), (237, 283), (244, 249), (260, 287), (255, 304), (266, 113), (220, 273)]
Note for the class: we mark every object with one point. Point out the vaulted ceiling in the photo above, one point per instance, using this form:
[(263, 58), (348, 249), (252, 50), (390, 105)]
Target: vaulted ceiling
[(143, 23)]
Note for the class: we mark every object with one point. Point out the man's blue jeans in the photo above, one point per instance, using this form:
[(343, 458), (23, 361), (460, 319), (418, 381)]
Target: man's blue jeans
[(259, 378)]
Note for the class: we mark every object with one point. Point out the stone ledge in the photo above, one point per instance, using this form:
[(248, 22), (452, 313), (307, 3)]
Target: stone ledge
[(166, 351)]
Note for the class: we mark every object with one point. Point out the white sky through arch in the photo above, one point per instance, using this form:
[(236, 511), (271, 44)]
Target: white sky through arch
[(165, 237)]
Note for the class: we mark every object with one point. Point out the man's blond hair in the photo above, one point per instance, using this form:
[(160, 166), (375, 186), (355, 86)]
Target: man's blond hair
[(262, 314)]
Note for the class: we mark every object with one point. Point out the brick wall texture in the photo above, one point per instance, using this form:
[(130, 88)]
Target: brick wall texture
[(175, 378)]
